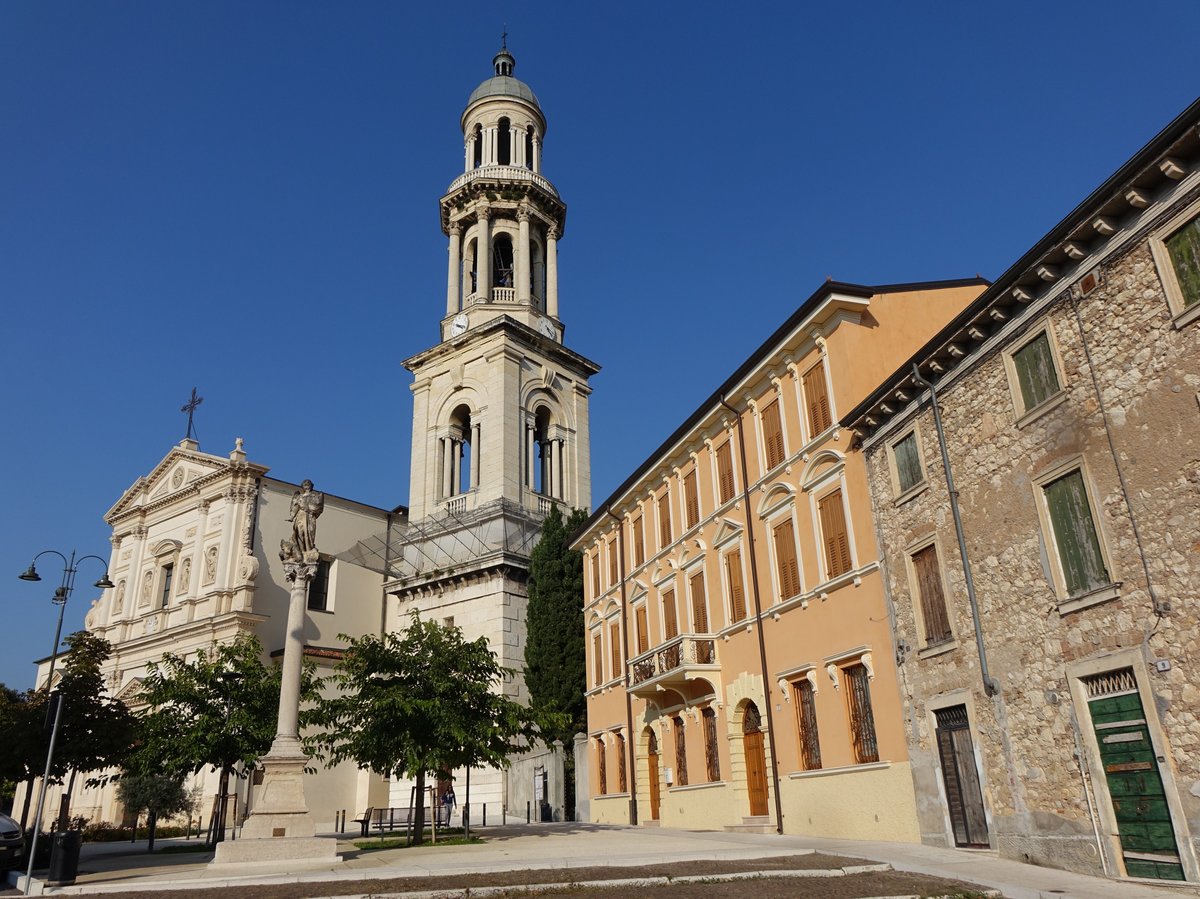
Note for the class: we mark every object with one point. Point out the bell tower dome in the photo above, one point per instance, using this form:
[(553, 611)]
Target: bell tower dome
[(503, 217)]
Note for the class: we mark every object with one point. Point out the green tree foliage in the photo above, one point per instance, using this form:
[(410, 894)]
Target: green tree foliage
[(21, 715), (97, 730), (156, 794), (554, 651), (419, 703)]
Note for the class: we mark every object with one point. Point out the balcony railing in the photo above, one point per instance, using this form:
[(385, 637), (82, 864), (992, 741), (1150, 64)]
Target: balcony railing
[(502, 173), (675, 661), (499, 295)]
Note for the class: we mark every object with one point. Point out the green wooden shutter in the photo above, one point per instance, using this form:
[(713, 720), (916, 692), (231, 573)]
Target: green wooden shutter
[(1184, 249), (1075, 534), (1035, 371), (908, 462)]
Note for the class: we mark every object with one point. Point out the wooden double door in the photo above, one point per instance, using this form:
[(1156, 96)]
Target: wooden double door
[(960, 777)]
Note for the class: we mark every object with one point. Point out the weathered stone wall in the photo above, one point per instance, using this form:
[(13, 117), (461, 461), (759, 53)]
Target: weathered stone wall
[(1032, 741)]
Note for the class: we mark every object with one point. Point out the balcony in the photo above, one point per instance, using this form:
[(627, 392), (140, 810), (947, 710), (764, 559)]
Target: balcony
[(672, 665), (502, 173)]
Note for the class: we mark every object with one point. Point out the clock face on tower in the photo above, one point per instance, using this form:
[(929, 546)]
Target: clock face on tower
[(459, 325), (547, 327)]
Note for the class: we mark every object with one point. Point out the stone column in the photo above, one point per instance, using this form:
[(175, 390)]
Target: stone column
[(552, 271), (475, 455), (559, 479), (537, 154), (453, 286), (522, 273), (483, 257), (456, 470), (447, 467), (530, 455)]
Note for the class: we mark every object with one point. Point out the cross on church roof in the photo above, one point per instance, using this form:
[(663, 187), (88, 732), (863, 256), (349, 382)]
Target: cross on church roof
[(190, 408)]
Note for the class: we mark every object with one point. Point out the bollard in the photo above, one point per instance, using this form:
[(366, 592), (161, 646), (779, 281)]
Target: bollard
[(526, 811), (483, 821)]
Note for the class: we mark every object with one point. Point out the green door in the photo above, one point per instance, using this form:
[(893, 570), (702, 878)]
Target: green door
[(1135, 787)]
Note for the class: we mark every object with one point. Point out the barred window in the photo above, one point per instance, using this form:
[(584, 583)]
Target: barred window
[(862, 719), (681, 774), (806, 720), (711, 759), (622, 775), (602, 766)]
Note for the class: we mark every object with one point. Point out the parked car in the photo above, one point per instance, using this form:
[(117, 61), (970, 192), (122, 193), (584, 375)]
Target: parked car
[(12, 843)]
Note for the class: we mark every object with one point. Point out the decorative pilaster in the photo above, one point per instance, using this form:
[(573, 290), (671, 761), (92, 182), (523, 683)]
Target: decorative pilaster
[(552, 271)]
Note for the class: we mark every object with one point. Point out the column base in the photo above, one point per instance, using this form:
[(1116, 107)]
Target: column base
[(280, 855)]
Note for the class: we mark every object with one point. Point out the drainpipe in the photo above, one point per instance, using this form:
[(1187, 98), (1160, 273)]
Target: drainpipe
[(762, 646), (990, 686), (630, 766)]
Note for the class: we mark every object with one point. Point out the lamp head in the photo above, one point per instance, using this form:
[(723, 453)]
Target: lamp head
[(30, 574), (60, 595), (104, 583)]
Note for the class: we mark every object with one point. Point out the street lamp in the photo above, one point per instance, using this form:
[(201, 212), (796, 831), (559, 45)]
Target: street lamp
[(63, 593)]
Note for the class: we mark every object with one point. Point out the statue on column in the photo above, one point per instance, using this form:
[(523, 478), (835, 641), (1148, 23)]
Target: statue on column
[(307, 506)]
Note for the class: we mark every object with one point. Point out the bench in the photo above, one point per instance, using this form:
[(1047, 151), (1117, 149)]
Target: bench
[(401, 817), (365, 819)]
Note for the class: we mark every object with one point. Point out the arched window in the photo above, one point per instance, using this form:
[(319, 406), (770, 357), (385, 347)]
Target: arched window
[(461, 470), (478, 154), (529, 147), (504, 143), (470, 263), (502, 261), (541, 435)]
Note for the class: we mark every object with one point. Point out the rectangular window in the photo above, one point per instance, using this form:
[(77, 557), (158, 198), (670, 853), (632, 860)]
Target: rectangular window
[(862, 719), (1079, 554), (712, 761), (699, 608), (168, 574), (602, 768), (597, 659), (1036, 376), (681, 775), (816, 396), (639, 542), (596, 572), (614, 647), (786, 564), (806, 720), (622, 774), (834, 534), (670, 623), (908, 462), (725, 472), (1183, 247), (318, 588), (772, 434), (612, 562), (643, 630), (933, 599), (664, 520), (733, 576), (691, 498)]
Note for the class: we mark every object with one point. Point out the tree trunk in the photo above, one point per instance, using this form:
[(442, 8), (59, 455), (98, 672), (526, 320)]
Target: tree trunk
[(151, 823), (223, 790), (419, 811), (28, 801), (64, 803)]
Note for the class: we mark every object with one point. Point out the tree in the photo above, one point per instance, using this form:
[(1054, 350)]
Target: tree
[(417, 704), (554, 650), (218, 710), (155, 794), (21, 716)]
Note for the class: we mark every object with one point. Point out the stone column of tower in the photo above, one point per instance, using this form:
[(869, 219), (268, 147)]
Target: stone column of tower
[(500, 404)]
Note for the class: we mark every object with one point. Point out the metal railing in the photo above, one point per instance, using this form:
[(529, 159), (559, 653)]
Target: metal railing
[(679, 653)]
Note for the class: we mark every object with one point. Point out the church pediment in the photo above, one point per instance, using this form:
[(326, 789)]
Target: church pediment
[(182, 467), (131, 693)]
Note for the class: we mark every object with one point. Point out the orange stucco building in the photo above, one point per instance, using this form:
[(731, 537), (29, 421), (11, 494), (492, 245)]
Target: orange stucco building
[(741, 670)]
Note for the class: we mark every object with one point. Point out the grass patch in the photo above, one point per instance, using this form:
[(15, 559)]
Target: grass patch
[(455, 838)]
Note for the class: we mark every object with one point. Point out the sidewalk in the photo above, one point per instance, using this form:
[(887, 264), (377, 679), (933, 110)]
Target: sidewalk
[(115, 867)]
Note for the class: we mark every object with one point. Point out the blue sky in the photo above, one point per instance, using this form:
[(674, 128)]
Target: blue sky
[(242, 197)]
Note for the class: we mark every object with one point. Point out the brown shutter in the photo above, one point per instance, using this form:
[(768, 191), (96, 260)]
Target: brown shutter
[(639, 542), (833, 530), (817, 398), (643, 630), (664, 520), (785, 559), (612, 562), (699, 610), (737, 597), (670, 623), (725, 472), (772, 434), (596, 573), (614, 645), (597, 660), (692, 498), (933, 600)]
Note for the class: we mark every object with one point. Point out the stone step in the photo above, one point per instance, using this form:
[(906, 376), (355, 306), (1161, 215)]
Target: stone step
[(752, 824)]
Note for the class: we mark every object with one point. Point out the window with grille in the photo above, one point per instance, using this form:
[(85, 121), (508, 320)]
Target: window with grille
[(816, 397), (622, 773), (639, 542), (602, 768), (664, 520), (725, 472), (806, 720), (733, 576), (712, 761), (1075, 536), (612, 561), (933, 600), (834, 534), (907, 460), (772, 434), (597, 659), (643, 629), (681, 772), (699, 606), (614, 647), (691, 498), (1036, 375), (318, 588), (670, 622), (862, 719), (787, 567)]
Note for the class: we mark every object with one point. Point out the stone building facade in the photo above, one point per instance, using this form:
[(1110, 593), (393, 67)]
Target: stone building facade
[(740, 670), (1050, 667)]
